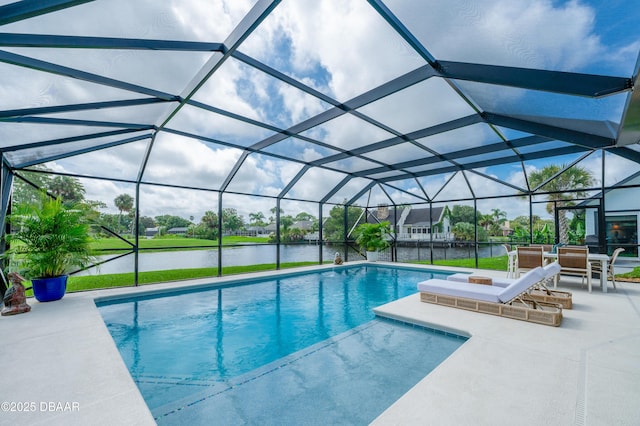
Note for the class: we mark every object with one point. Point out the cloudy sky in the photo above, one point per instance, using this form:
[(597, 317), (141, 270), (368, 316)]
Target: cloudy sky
[(341, 49)]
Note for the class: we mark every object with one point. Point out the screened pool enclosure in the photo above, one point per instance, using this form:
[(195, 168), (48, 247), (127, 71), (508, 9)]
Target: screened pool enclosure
[(464, 124)]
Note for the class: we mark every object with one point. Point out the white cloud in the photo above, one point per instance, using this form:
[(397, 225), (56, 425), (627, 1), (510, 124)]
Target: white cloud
[(299, 107), (416, 108), (344, 38), (122, 162), (221, 90), (182, 161), (106, 191), (315, 184), (201, 122), (524, 33)]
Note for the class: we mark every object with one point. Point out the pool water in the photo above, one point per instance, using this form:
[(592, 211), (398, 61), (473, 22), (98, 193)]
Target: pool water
[(189, 352)]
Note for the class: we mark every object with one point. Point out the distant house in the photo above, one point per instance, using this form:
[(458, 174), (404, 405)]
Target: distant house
[(303, 225), (505, 229), (414, 223), (151, 232), (307, 226), (177, 231), (256, 231)]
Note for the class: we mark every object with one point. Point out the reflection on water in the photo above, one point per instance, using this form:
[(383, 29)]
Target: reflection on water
[(258, 254)]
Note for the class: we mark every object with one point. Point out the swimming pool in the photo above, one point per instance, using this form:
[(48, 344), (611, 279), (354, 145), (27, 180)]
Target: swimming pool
[(191, 353)]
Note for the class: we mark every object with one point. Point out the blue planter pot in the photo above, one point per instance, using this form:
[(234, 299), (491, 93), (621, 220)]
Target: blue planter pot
[(49, 289)]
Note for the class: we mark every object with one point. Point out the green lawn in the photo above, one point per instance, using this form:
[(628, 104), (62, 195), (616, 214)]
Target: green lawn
[(121, 280), (497, 263), (633, 274), (169, 242), (93, 282)]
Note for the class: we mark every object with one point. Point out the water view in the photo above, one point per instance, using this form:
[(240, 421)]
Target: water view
[(259, 254)]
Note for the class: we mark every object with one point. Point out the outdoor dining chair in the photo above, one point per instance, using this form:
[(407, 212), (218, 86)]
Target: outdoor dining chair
[(596, 267), (528, 258), (511, 261), (545, 247), (574, 261)]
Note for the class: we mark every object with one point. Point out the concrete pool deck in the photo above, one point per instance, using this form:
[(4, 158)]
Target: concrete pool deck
[(61, 367)]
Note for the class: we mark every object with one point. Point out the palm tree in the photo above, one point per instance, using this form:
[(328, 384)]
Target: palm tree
[(499, 216), (124, 203), (485, 220), (68, 188), (572, 178), (256, 218)]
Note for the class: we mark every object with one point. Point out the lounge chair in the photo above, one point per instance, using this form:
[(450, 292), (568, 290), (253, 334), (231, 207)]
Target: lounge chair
[(512, 301), (540, 292)]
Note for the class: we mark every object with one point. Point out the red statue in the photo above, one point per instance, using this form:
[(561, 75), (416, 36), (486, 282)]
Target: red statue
[(15, 302)]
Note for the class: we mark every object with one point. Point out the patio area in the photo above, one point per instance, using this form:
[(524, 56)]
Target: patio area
[(67, 370), (205, 138)]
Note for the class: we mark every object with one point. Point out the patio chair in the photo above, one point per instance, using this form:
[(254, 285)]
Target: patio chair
[(511, 301), (528, 258), (545, 247), (574, 261), (511, 259), (596, 267)]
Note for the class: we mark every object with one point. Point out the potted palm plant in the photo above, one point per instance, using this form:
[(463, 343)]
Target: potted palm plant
[(47, 242), (372, 238)]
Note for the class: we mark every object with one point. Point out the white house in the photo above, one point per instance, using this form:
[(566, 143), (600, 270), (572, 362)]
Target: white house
[(415, 223)]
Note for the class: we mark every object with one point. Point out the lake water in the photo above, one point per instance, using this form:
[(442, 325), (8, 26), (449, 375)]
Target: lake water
[(258, 254)]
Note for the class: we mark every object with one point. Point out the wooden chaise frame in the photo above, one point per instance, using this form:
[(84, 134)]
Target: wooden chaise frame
[(513, 301), (521, 308)]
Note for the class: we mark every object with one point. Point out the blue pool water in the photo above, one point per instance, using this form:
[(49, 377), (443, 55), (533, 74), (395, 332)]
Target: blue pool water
[(197, 352)]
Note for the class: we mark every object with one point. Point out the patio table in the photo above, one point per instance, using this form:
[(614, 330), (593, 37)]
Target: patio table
[(592, 257)]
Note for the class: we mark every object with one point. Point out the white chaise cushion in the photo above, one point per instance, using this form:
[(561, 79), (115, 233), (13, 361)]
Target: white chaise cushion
[(551, 269), (521, 284), (487, 293)]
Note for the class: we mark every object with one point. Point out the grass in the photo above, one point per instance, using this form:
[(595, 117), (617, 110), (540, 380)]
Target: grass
[(92, 282), (633, 274), (497, 263), (170, 242)]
